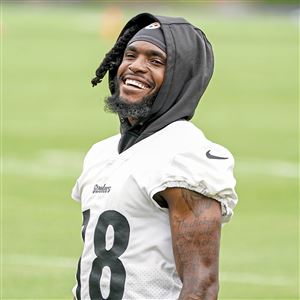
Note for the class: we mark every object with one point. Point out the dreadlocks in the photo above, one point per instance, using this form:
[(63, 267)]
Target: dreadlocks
[(113, 58)]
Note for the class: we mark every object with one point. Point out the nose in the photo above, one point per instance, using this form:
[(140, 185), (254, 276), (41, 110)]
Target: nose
[(138, 65)]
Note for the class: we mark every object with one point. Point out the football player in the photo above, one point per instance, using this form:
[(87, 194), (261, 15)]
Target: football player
[(154, 197)]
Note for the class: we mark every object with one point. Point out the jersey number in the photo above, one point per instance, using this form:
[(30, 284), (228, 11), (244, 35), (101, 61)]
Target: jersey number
[(107, 258)]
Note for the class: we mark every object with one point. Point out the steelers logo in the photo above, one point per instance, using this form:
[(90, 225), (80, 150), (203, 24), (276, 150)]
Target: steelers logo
[(154, 25)]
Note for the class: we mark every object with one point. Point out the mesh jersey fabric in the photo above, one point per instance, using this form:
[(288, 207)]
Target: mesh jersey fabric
[(137, 232)]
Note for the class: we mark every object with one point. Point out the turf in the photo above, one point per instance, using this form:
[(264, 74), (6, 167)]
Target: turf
[(51, 116)]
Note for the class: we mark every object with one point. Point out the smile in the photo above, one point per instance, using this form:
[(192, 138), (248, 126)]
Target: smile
[(136, 83)]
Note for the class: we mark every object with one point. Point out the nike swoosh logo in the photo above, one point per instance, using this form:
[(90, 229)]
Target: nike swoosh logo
[(210, 156)]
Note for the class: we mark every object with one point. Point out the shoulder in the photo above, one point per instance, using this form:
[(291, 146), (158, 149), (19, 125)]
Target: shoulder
[(179, 133), (101, 149), (106, 143), (186, 138), (200, 165), (182, 127)]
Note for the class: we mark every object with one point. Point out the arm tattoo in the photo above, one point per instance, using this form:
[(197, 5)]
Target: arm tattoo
[(196, 238), (196, 202)]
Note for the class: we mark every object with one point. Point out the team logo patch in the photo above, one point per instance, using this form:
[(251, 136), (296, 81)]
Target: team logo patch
[(154, 25), (101, 189)]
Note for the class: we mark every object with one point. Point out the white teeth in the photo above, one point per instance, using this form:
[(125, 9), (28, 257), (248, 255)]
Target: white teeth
[(135, 83)]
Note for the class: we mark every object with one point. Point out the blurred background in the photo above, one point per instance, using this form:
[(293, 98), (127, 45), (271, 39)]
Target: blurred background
[(50, 117)]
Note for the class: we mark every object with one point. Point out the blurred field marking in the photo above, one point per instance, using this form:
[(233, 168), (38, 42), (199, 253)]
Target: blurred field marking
[(259, 166), (71, 263), (249, 278), (59, 163), (47, 164), (40, 261)]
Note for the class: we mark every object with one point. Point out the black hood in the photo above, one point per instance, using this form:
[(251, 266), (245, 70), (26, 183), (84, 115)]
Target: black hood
[(188, 71)]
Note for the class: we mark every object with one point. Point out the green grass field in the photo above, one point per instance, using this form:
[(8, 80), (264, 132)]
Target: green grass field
[(51, 116)]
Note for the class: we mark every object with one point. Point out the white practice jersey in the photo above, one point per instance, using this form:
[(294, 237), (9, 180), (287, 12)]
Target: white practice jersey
[(127, 251)]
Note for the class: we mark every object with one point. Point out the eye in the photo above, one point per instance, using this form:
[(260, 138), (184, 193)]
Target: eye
[(157, 61), (129, 55)]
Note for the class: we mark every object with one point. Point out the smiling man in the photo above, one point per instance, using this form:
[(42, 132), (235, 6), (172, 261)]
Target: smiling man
[(154, 197), (140, 75)]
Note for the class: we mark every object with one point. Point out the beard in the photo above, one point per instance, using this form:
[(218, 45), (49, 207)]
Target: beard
[(139, 110)]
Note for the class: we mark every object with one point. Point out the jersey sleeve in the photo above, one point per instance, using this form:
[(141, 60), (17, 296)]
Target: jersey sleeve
[(76, 190), (207, 172), (75, 194)]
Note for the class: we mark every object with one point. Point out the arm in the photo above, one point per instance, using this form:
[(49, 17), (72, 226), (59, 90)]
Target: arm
[(196, 229)]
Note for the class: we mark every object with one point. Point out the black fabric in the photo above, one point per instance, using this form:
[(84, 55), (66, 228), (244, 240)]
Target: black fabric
[(188, 71), (152, 35)]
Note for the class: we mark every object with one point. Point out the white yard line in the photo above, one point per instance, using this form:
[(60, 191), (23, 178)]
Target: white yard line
[(58, 163), (258, 166), (48, 164), (40, 261), (71, 263), (257, 279)]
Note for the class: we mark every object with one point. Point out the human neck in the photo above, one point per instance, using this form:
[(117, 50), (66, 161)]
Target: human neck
[(132, 120)]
